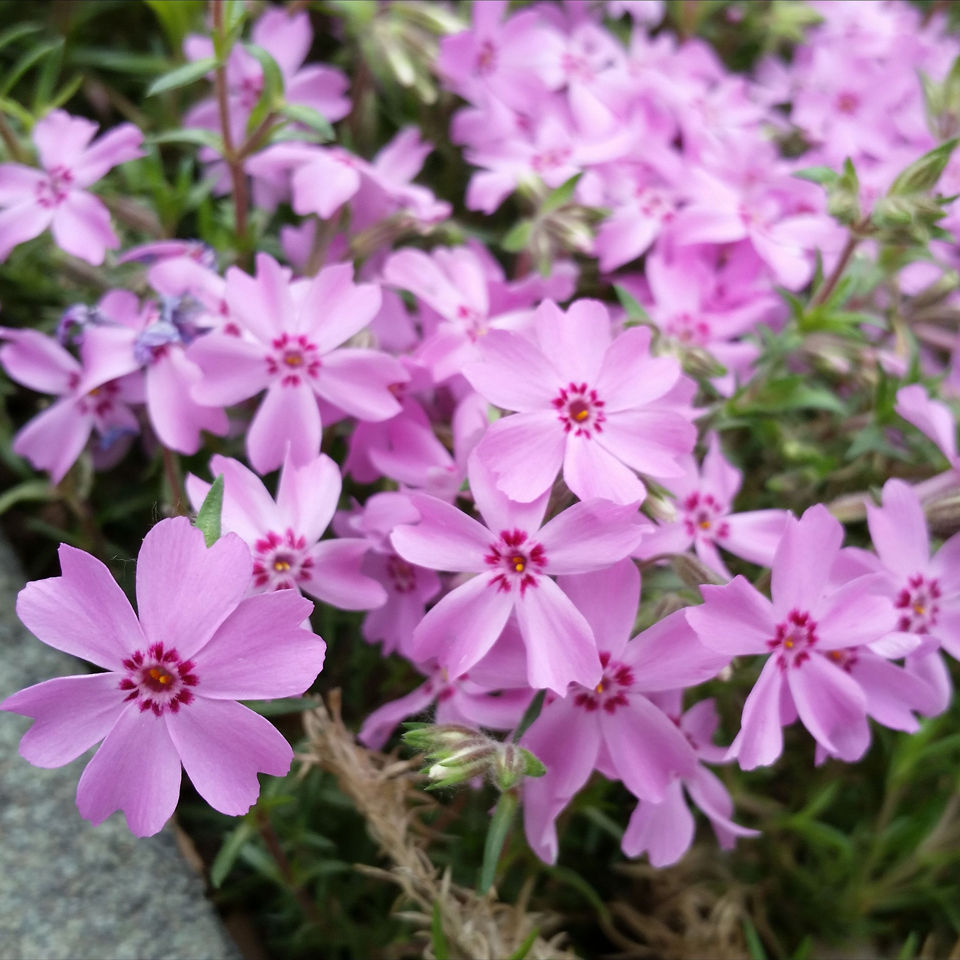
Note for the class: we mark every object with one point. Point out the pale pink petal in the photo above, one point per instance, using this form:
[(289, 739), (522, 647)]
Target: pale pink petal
[(54, 439), (288, 416), (513, 373), (323, 186), (650, 441), (420, 273), (307, 495), (590, 472), (719, 475), (630, 377), (81, 226), (945, 565), (560, 646), (710, 795), (647, 748), (574, 341), (287, 37), (663, 539), (21, 223), (664, 831), (185, 590), (801, 567), (61, 138), (358, 382), (734, 619), (856, 613), (590, 535), (623, 237), (754, 535), (38, 362), (699, 224), (334, 308), (70, 714), (445, 539), (177, 419), (261, 650), (322, 88), (892, 692), (932, 669), (499, 511), (233, 369), (832, 706), (18, 184), (136, 770), (502, 712), (930, 416), (335, 576), (709, 555), (382, 722), (525, 451), (263, 304), (566, 739), (899, 529), (608, 599), (117, 146), (83, 612), (248, 509), (760, 740), (223, 746), (463, 626), (669, 655)]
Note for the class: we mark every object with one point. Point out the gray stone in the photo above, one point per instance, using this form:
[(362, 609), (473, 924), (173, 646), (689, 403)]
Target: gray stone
[(70, 891)]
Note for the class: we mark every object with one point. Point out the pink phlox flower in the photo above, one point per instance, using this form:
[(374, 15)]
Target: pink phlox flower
[(168, 694), (705, 519), (615, 725), (514, 560), (664, 831), (646, 12), (455, 288), (465, 699), (55, 195), (934, 419), (596, 406), (290, 343), (805, 631), (92, 398), (408, 587), (284, 534), (152, 337)]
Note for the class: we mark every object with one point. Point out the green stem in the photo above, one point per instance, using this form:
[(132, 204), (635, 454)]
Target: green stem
[(17, 153), (828, 285), (496, 836), (172, 471)]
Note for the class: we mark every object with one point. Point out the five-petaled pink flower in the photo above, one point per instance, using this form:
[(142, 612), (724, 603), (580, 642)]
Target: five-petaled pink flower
[(596, 406), (172, 678), (56, 196)]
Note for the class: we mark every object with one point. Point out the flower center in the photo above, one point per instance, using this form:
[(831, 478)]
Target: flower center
[(518, 562), (654, 204), (293, 358), (99, 401), (794, 638), (580, 410), (918, 605), (687, 329), (847, 103), (53, 191), (159, 679), (280, 561), (703, 517), (486, 61), (403, 578), (550, 158), (611, 692)]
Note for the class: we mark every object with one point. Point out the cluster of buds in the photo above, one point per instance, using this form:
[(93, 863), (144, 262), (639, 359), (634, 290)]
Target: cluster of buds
[(457, 754)]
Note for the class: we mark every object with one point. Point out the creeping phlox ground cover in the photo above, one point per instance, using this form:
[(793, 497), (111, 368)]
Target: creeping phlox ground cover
[(573, 383)]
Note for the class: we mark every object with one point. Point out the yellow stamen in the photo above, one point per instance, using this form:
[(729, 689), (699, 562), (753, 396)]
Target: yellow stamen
[(519, 563), (919, 609), (161, 676), (581, 415), (599, 688), (281, 566), (293, 360), (788, 644), (704, 524)]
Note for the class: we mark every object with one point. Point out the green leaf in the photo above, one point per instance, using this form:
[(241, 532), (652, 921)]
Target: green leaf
[(316, 121), (28, 490), (630, 303), (177, 18), (922, 175), (529, 715), (532, 765), (17, 32), (282, 706), (31, 58), (182, 76), (103, 58), (518, 236), (208, 516), (271, 95), (496, 837), (561, 196), (524, 947), (822, 175), (191, 136), (226, 857), (441, 949), (754, 944)]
